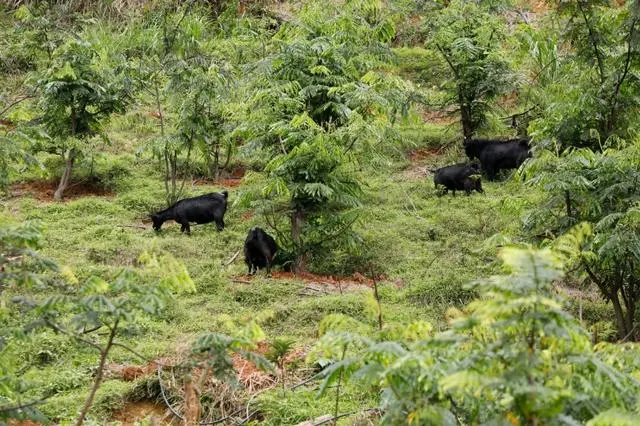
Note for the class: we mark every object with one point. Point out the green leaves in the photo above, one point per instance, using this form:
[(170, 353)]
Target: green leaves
[(515, 356), (593, 197), (467, 35), (614, 417)]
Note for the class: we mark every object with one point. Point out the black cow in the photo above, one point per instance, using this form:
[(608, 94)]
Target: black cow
[(203, 209), (495, 155), (458, 177), (259, 250)]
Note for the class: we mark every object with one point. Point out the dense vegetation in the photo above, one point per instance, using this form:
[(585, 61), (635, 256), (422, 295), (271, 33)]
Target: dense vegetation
[(389, 303)]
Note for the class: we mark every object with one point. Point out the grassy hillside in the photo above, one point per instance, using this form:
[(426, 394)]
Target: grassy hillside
[(420, 250), (425, 246)]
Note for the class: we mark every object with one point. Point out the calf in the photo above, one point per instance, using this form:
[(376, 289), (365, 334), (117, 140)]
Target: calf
[(458, 177), (203, 209), (259, 249), (495, 155)]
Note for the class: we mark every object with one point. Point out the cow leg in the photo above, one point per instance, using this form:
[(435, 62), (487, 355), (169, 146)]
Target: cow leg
[(186, 228), (219, 224), (268, 267)]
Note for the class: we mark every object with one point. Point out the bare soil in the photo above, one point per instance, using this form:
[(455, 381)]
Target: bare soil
[(136, 411), (317, 285), (44, 190), (419, 159)]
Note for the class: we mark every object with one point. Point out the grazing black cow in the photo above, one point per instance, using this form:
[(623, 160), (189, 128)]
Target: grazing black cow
[(259, 250), (458, 177), (203, 209), (495, 155)]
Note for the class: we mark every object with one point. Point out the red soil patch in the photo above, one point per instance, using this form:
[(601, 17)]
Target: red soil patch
[(255, 379), (155, 114), (246, 215), (539, 6), (129, 373), (228, 183), (7, 123), (134, 412), (420, 155), (509, 101), (44, 190), (23, 423), (229, 179), (438, 117), (309, 277), (356, 279)]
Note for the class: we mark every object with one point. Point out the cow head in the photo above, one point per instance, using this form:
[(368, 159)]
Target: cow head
[(157, 222)]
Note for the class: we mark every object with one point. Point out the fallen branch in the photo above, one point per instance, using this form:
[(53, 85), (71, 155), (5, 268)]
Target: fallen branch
[(229, 262), (235, 280)]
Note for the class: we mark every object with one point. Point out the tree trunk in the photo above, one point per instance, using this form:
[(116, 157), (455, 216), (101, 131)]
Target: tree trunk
[(465, 116), (66, 175), (216, 162), (620, 318), (296, 236), (228, 159), (191, 404), (567, 201), (630, 306), (99, 375)]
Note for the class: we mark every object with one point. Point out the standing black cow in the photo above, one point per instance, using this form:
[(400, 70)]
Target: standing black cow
[(495, 155), (259, 250), (203, 209), (458, 177)]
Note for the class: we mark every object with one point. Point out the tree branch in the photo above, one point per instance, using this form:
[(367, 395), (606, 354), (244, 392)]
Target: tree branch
[(627, 65), (14, 103), (594, 41), (446, 58), (17, 407)]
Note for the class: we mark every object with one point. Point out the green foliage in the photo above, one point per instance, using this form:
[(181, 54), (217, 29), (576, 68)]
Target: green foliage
[(20, 262), (77, 311), (598, 193), (20, 265), (318, 103), (516, 357), (468, 37), (76, 97), (588, 102)]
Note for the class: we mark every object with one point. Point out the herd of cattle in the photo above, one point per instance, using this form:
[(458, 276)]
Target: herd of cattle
[(260, 247), (493, 155)]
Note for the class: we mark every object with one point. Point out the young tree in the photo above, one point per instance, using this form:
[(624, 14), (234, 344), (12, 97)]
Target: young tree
[(593, 97), (76, 98), (203, 115), (513, 357), (177, 69), (79, 313), (597, 193), (315, 106), (469, 37)]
